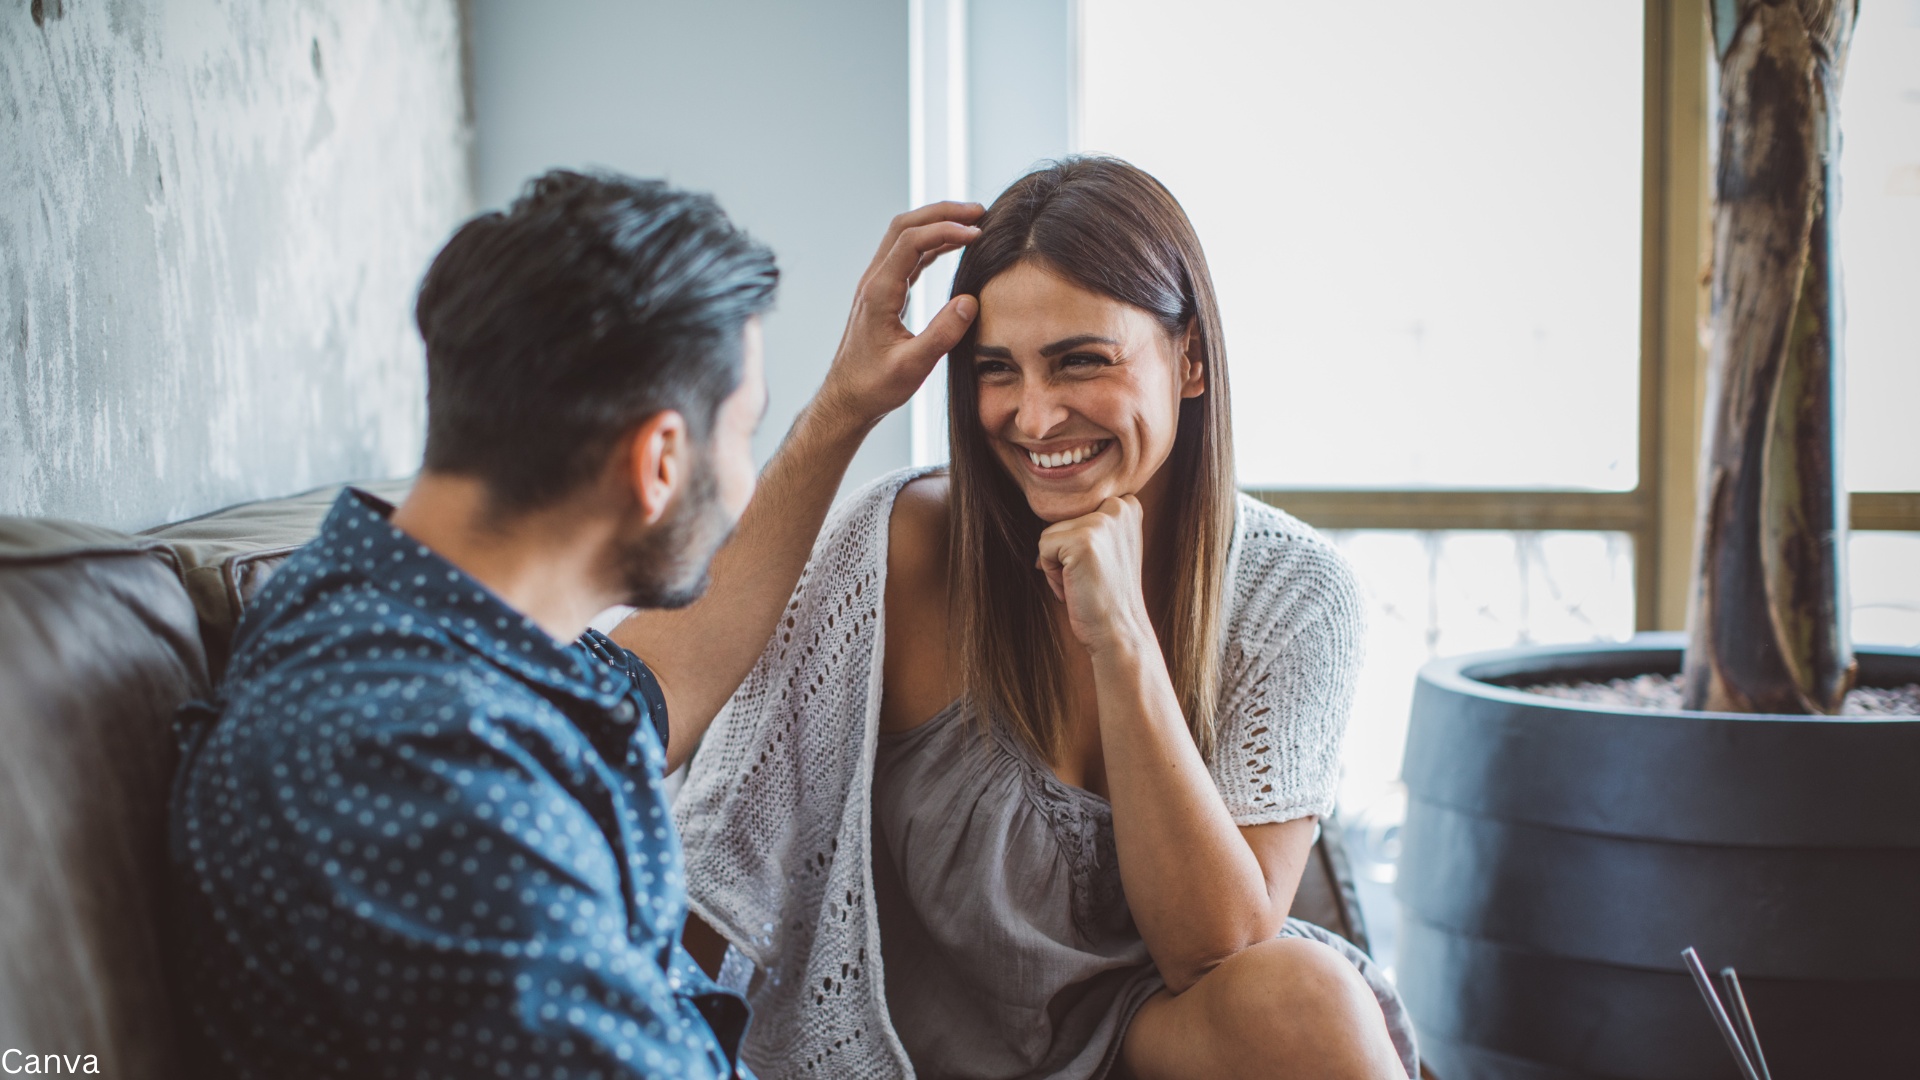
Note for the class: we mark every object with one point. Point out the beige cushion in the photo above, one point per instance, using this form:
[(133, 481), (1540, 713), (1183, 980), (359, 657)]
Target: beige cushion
[(226, 556), (98, 644)]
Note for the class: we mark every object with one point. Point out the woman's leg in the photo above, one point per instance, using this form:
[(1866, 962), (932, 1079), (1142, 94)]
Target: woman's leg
[(1290, 1007)]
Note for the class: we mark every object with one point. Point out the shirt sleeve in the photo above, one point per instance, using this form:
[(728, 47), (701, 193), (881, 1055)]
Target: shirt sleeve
[(472, 869), (620, 658), (1293, 661)]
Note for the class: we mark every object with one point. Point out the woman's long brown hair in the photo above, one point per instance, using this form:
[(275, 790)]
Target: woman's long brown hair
[(1112, 229)]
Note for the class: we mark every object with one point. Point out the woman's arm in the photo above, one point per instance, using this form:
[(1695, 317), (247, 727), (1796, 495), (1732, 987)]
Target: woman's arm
[(701, 652), (1200, 887)]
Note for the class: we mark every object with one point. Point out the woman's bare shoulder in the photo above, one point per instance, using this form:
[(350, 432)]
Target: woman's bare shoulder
[(917, 530), (914, 674)]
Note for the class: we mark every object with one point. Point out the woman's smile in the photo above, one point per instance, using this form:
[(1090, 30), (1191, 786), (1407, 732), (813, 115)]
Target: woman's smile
[(1058, 461)]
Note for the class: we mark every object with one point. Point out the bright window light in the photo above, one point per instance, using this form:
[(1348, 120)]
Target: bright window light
[(1879, 246), (1884, 569), (1423, 220), (1442, 593)]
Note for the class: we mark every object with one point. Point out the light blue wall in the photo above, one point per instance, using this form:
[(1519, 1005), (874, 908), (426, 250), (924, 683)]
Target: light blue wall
[(1022, 76), (793, 114)]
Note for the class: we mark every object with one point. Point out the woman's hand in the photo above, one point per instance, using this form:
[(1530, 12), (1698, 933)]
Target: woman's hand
[(1093, 565), (880, 363)]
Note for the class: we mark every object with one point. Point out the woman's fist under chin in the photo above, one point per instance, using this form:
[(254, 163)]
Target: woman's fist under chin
[(1092, 563)]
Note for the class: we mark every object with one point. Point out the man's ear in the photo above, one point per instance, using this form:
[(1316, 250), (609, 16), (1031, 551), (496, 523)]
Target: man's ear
[(1193, 373), (658, 462)]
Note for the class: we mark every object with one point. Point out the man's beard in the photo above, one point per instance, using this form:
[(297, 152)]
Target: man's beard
[(667, 567)]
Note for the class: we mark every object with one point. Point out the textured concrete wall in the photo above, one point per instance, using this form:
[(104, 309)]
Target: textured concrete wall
[(213, 216)]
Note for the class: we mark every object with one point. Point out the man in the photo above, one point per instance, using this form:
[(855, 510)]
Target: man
[(422, 833)]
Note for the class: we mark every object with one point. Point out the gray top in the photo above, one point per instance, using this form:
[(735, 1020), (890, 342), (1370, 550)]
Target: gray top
[(1008, 946), (1009, 949)]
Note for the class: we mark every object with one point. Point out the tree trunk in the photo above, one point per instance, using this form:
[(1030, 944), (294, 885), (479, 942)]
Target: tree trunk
[(1768, 613)]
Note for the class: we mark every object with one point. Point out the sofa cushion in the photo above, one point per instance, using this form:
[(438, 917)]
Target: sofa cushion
[(226, 556), (98, 644)]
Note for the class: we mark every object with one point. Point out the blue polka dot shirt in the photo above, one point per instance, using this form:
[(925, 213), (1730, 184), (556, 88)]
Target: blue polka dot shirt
[(416, 838)]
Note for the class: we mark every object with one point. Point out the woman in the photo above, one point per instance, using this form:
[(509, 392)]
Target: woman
[(1024, 784)]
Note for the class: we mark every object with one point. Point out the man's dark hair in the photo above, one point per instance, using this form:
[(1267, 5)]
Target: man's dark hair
[(591, 304)]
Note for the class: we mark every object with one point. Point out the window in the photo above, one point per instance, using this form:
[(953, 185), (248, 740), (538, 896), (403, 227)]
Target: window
[(1430, 269), (1427, 258), (1459, 249), (1879, 242), (1440, 592), (1885, 572)]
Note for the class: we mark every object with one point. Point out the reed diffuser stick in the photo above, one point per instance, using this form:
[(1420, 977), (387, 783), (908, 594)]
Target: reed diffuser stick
[(1737, 1003), (1702, 980)]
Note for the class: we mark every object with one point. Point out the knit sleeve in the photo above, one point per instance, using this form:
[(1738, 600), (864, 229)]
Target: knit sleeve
[(775, 817), (1292, 658)]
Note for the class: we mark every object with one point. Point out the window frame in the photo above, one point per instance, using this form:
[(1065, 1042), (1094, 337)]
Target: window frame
[(1676, 243)]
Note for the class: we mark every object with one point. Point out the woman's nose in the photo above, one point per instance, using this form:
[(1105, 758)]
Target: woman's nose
[(1040, 411)]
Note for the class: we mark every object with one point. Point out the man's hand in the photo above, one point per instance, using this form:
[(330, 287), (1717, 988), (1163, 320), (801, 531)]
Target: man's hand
[(879, 363), (701, 652), (1092, 564)]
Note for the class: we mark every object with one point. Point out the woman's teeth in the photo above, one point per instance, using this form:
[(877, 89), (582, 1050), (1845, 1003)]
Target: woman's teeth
[(1068, 457)]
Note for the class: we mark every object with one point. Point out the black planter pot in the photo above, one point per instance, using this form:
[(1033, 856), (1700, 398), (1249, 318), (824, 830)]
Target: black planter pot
[(1558, 856)]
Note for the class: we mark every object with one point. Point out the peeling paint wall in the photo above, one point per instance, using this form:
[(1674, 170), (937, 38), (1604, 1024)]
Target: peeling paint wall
[(213, 217)]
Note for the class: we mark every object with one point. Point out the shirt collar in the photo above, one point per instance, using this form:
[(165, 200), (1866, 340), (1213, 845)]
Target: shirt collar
[(358, 535)]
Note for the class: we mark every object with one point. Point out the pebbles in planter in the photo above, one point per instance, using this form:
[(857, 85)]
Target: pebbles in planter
[(1664, 693)]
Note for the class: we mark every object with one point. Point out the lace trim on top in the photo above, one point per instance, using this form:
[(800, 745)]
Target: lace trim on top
[(1083, 823)]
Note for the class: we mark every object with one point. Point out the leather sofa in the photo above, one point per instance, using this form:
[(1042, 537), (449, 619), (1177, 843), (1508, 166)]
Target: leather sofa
[(102, 635)]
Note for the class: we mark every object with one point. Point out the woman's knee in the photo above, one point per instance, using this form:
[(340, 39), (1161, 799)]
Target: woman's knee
[(1302, 1001), (1285, 977)]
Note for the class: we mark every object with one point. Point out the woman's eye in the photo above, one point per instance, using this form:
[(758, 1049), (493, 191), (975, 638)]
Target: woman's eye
[(1083, 360), (987, 368)]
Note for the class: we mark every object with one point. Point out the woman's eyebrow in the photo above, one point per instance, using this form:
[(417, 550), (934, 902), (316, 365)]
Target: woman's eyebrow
[(1074, 342), (1001, 352)]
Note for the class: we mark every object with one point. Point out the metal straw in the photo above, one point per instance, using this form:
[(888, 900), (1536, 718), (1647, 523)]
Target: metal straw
[(1737, 1001), (1702, 980)]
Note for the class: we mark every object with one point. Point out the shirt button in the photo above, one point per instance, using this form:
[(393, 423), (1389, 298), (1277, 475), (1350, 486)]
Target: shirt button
[(625, 712)]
